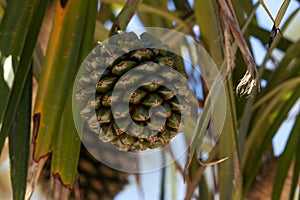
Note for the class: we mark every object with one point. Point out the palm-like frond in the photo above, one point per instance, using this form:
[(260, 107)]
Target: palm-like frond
[(224, 28)]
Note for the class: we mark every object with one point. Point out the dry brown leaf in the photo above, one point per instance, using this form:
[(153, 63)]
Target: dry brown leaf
[(229, 54), (250, 79)]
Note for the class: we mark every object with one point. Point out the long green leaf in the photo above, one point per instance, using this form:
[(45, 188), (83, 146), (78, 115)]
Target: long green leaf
[(286, 159), (14, 28), (271, 117), (201, 127), (13, 33), (267, 114), (39, 9), (207, 18), (286, 68), (19, 142), (8, 44), (278, 91), (87, 43), (66, 155), (60, 66), (209, 34), (259, 125), (231, 180), (20, 25)]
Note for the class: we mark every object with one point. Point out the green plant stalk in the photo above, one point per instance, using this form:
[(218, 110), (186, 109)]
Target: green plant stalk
[(230, 170)]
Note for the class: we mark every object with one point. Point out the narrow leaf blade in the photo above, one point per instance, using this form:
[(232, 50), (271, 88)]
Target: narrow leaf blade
[(60, 66), (13, 37), (281, 12), (66, 154), (19, 142)]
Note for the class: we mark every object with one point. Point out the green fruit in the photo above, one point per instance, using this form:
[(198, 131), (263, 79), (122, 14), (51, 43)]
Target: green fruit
[(140, 92)]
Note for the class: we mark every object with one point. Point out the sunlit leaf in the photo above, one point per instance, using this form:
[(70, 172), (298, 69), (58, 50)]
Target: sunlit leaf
[(66, 155), (58, 73)]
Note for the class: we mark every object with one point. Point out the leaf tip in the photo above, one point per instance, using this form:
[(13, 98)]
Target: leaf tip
[(248, 82)]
